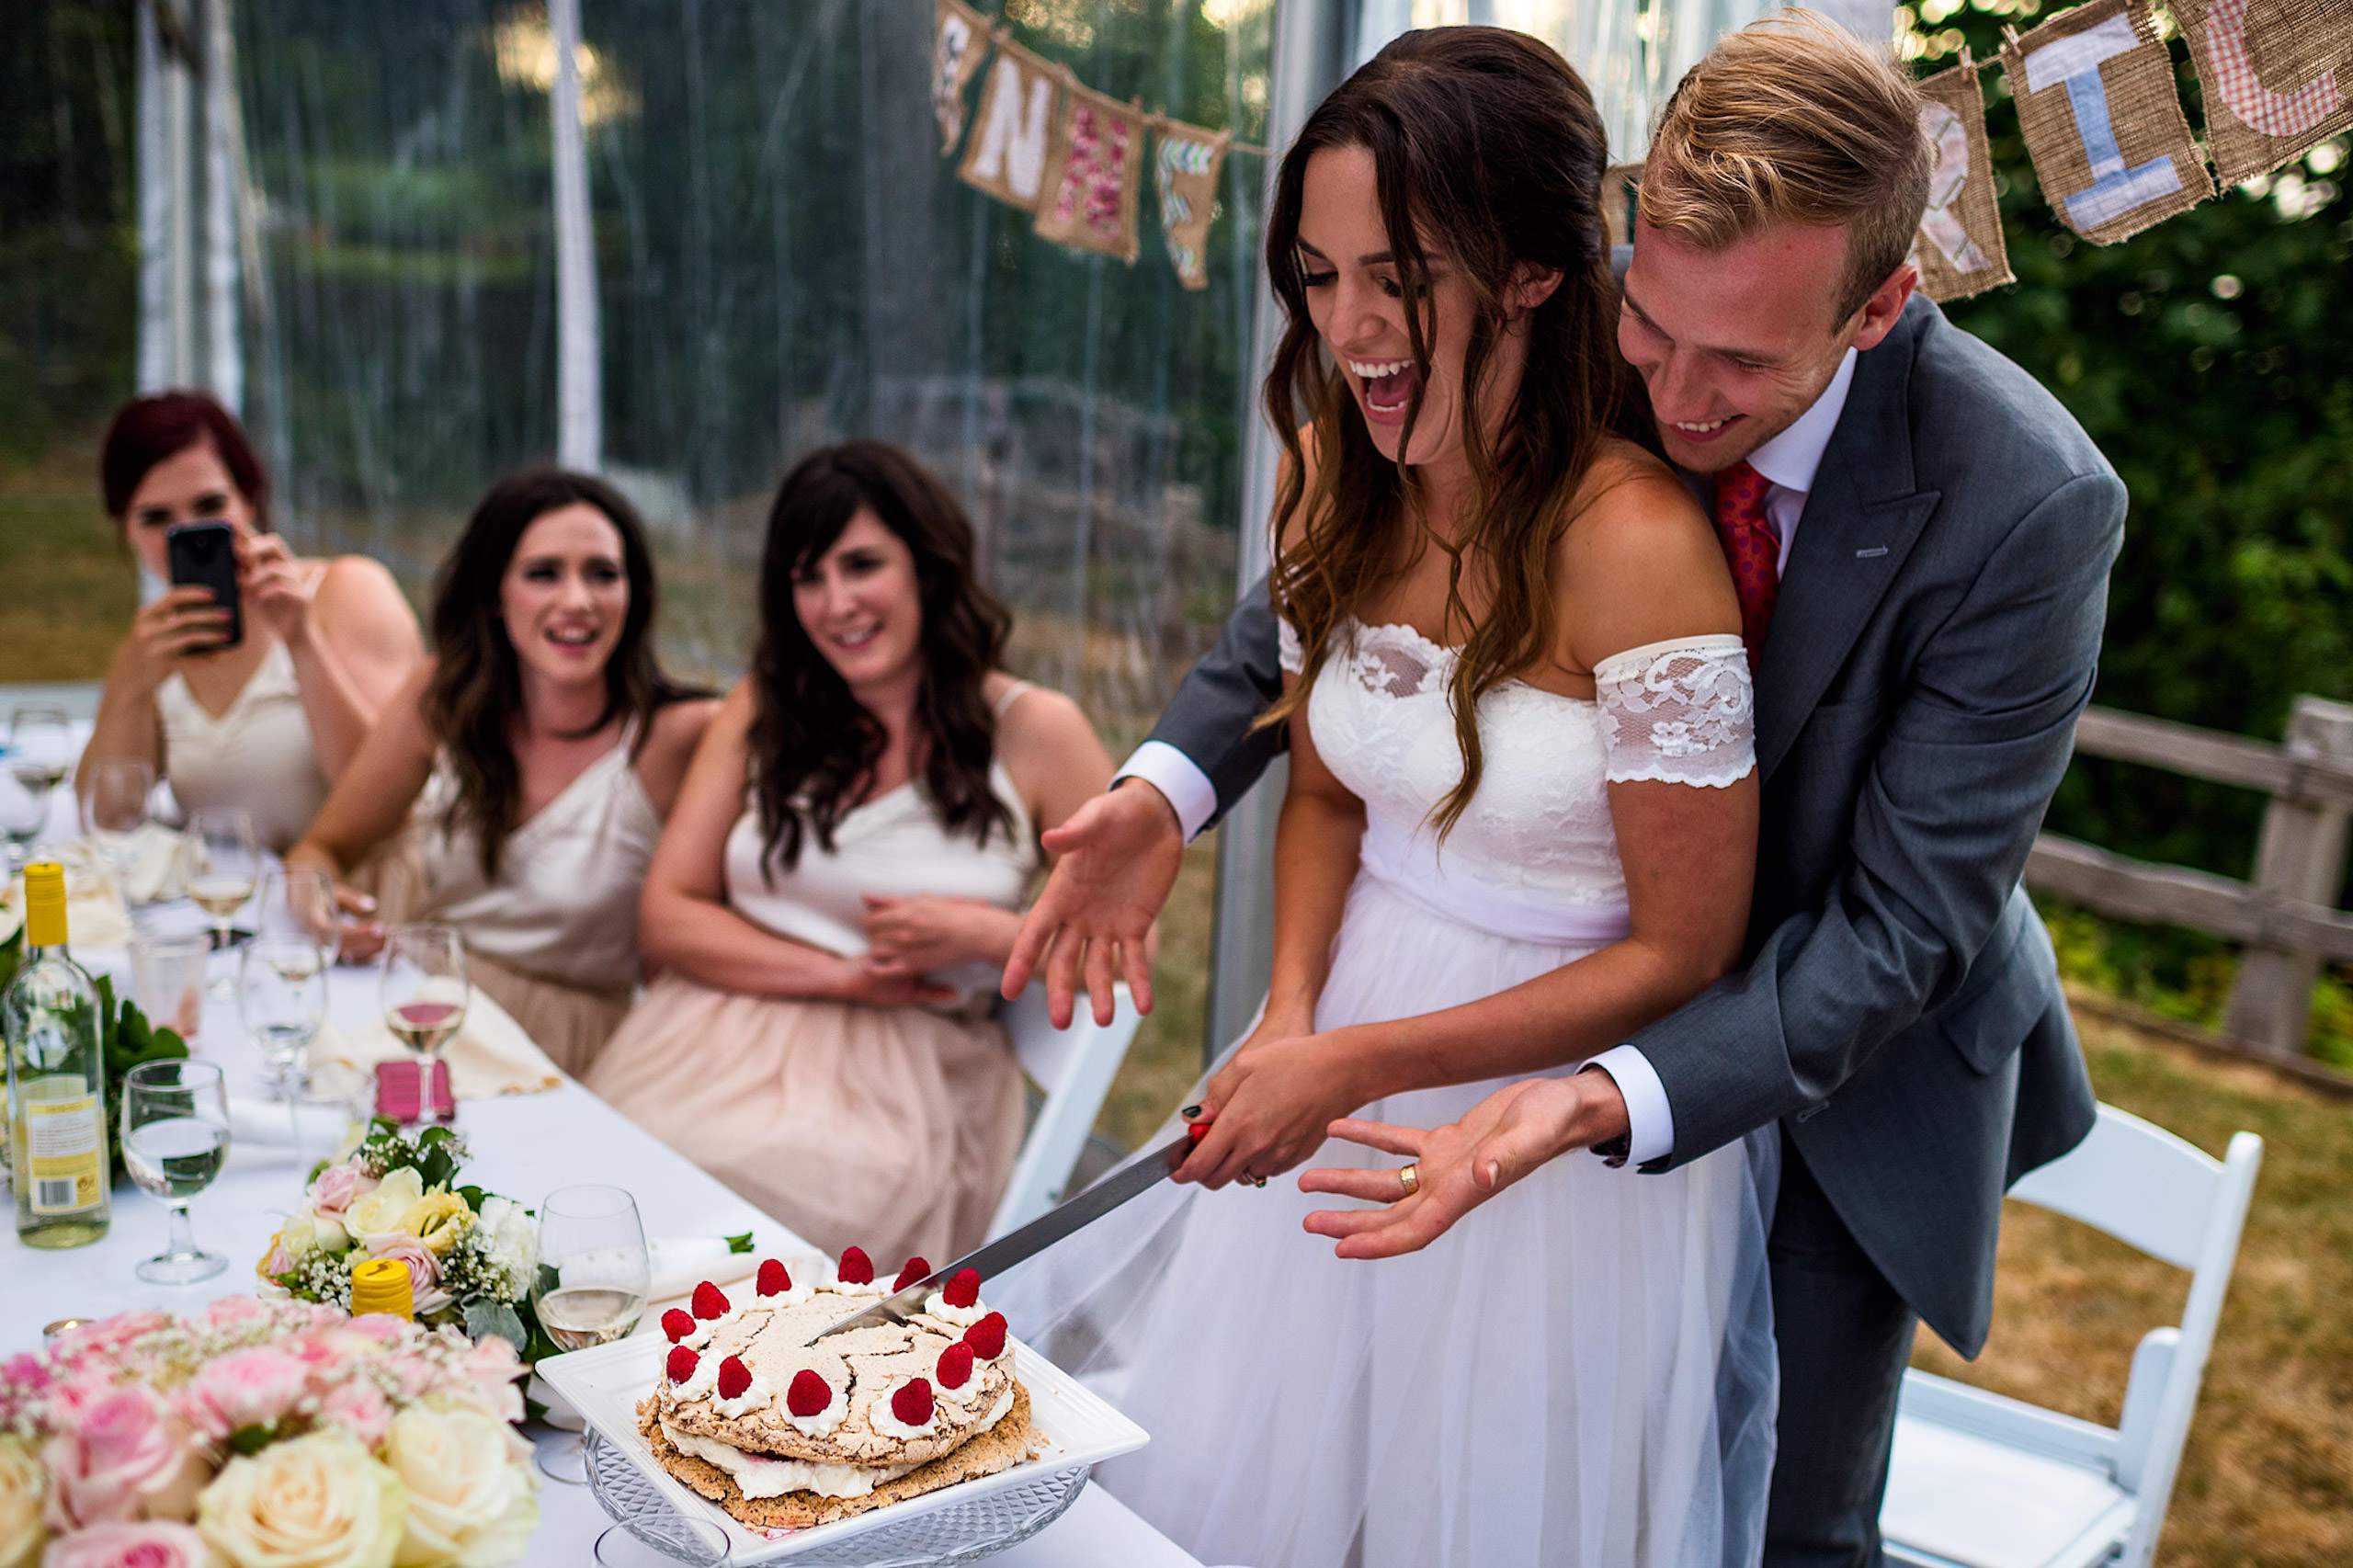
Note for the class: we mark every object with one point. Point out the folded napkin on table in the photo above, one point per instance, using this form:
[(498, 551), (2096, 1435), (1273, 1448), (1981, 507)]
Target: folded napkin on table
[(95, 912), (491, 1054)]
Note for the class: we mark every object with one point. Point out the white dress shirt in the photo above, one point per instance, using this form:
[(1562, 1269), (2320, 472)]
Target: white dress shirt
[(1788, 463)]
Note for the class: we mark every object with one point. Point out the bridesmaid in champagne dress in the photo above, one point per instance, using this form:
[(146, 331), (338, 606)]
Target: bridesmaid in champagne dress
[(841, 883), (538, 752)]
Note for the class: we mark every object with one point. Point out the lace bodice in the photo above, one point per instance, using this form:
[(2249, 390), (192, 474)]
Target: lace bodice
[(1535, 856)]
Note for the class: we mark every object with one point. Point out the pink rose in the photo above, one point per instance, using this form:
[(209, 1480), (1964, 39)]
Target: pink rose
[(232, 1314), (424, 1269), (121, 1458), (245, 1388), (332, 1193), (359, 1407), (153, 1544), (492, 1368)]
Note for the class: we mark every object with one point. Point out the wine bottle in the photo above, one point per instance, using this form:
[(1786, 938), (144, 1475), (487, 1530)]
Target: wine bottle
[(57, 1085)]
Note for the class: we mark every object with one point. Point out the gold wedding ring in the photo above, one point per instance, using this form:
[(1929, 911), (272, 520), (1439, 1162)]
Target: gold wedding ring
[(1255, 1180), (1412, 1177)]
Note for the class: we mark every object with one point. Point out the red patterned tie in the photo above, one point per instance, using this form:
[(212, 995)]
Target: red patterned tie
[(1751, 550)]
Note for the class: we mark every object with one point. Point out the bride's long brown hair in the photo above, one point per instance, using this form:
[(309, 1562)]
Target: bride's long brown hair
[(1484, 146)]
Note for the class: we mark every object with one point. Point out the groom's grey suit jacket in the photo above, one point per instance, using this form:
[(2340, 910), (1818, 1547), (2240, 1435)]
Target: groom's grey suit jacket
[(1898, 1009)]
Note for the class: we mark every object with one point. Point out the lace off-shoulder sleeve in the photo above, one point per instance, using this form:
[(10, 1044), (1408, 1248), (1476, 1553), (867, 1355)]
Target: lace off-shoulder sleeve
[(1678, 712), (1287, 647)]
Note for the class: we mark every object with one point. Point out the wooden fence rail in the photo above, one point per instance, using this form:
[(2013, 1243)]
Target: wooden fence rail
[(2285, 914)]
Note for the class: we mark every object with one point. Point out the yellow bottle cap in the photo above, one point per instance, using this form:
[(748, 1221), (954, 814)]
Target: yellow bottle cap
[(381, 1285), (45, 904)]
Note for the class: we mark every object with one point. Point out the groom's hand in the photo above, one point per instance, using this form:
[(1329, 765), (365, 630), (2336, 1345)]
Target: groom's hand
[(1461, 1164), (1116, 858)]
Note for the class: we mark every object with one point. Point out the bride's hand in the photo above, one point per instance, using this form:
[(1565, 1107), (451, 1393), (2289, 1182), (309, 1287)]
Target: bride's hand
[(1268, 1107), (1459, 1166)]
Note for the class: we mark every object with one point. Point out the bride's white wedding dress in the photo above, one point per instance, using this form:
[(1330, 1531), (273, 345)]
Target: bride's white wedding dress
[(1580, 1374)]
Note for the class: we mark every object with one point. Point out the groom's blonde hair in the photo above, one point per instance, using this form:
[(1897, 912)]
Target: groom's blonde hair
[(1792, 120)]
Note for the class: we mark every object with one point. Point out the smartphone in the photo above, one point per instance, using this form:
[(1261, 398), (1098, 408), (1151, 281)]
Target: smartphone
[(204, 555)]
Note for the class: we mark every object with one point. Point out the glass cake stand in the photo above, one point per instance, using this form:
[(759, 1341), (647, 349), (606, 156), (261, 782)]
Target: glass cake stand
[(961, 1532)]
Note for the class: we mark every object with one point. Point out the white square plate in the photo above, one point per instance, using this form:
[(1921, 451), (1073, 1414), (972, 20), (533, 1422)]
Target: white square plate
[(604, 1383)]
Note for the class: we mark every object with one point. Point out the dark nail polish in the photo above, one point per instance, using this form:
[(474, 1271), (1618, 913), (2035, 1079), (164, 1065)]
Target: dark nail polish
[(1189, 1112)]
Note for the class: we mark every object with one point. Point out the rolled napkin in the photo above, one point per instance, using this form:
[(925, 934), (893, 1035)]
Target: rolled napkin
[(680, 1263), (491, 1055)]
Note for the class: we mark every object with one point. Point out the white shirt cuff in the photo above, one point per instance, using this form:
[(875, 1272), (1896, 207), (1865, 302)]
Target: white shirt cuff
[(1179, 779), (1650, 1121)]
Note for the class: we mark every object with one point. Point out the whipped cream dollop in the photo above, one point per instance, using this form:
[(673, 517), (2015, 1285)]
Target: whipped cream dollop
[(701, 1382), (847, 1288), (757, 1475), (935, 1306), (825, 1422), (757, 1396), (885, 1420)]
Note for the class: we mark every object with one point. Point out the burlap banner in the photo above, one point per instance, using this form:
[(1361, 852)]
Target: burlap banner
[(1094, 171), (2275, 73), (1959, 250), (2096, 105), (960, 42), (1184, 173), (1005, 154)]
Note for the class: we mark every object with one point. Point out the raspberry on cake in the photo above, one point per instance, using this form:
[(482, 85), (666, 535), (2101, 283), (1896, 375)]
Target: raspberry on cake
[(987, 1336), (708, 1301), (678, 1322), (773, 1278), (963, 1288), (861, 1423), (916, 1268)]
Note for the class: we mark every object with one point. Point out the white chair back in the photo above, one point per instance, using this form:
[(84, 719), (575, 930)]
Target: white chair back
[(1972, 1467), (1073, 1069)]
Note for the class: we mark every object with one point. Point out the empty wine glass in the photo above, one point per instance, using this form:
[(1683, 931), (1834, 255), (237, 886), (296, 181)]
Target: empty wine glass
[(114, 811), (174, 1139), (423, 987), (594, 1273), (297, 904), (282, 999), (23, 814), (40, 752)]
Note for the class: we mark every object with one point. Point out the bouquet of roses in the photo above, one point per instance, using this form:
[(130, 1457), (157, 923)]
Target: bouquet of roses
[(472, 1256), (263, 1434)]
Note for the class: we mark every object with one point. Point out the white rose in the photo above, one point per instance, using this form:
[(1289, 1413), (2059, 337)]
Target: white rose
[(24, 1486), (308, 1231), (471, 1498), (509, 1240), (381, 1209), (313, 1502)]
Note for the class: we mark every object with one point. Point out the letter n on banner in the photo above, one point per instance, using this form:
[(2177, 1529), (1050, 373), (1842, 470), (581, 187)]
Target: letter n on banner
[(1007, 153), (1094, 171), (1184, 174), (2275, 73), (2102, 122), (960, 42), (1959, 250)]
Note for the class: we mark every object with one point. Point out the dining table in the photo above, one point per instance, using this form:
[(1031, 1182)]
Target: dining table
[(522, 1145)]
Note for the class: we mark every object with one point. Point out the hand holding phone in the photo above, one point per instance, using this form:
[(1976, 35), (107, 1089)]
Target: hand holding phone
[(204, 555)]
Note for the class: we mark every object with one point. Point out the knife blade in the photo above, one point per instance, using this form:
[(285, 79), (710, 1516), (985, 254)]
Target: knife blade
[(1018, 1245)]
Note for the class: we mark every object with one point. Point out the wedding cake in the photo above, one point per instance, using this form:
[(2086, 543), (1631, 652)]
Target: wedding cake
[(785, 1434)]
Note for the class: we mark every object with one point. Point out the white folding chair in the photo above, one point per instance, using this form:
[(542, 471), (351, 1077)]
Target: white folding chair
[(1074, 1068), (1982, 1481)]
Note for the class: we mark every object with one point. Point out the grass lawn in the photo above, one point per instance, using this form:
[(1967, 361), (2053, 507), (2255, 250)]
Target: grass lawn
[(67, 588)]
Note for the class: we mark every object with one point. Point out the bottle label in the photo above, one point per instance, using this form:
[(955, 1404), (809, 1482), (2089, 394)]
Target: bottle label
[(63, 1143)]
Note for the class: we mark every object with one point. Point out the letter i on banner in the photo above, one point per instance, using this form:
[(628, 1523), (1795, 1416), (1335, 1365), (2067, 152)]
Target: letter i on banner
[(1184, 172), (1005, 154), (1959, 250), (2102, 121), (960, 42), (2275, 73), (1094, 171)]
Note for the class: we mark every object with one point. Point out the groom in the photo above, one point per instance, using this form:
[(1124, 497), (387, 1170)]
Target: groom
[(1921, 537)]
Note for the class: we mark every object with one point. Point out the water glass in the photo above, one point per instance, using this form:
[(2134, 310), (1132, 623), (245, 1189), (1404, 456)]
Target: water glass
[(175, 1141), (23, 814), (282, 999), (167, 978), (594, 1273), (114, 810)]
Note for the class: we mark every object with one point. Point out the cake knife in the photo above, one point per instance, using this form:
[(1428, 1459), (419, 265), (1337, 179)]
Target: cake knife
[(1017, 1246)]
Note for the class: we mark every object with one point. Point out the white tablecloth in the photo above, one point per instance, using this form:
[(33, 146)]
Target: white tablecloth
[(524, 1146)]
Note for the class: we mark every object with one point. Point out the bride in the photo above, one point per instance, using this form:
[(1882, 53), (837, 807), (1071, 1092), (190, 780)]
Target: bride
[(1520, 824)]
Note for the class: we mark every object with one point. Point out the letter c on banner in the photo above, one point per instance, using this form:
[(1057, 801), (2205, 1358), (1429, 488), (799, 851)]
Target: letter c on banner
[(2074, 62), (1941, 221), (2274, 114)]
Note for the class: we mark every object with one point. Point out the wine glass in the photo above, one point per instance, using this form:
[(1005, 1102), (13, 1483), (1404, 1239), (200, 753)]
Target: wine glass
[(592, 1282), (174, 1139), (282, 997), (423, 987), (114, 811), (23, 814), (225, 866), (297, 904), (40, 752)]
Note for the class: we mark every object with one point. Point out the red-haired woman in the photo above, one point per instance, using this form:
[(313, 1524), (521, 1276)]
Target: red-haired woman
[(270, 723)]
